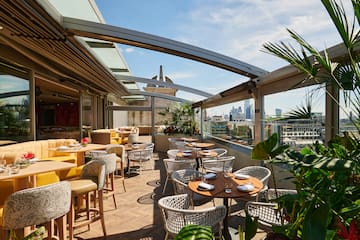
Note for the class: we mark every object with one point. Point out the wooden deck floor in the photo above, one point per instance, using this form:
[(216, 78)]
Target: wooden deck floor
[(138, 216)]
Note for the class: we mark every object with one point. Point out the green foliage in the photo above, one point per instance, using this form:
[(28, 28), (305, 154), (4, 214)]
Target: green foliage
[(268, 149), (195, 232), (180, 118)]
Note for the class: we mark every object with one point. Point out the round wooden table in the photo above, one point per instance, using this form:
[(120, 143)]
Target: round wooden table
[(219, 191)]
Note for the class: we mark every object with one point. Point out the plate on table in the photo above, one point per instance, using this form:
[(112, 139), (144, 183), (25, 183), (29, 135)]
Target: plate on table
[(187, 154), (187, 151), (74, 145), (241, 176), (246, 188), (205, 187), (62, 148), (210, 176)]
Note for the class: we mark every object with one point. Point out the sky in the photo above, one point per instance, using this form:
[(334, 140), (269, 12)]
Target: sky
[(236, 28)]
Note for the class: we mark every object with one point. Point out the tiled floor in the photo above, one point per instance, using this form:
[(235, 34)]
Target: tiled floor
[(138, 216)]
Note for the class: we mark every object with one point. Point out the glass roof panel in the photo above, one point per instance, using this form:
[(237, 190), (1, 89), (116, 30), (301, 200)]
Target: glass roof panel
[(106, 52)]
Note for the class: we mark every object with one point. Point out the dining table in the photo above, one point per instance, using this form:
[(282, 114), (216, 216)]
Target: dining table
[(226, 186), (202, 145), (26, 175), (80, 151)]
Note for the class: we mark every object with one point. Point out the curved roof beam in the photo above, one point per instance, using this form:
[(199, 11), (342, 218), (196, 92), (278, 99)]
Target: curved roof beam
[(139, 39), (158, 95), (163, 84)]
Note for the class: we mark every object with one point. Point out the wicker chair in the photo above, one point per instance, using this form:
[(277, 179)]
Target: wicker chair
[(173, 165), (220, 151), (100, 137), (171, 153), (181, 178), (219, 165), (261, 173), (140, 156), (176, 214), (38, 206), (269, 214)]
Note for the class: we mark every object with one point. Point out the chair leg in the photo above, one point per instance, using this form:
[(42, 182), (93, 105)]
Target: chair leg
[(61, 226), (112, 187), (165, 184), (101, 211)]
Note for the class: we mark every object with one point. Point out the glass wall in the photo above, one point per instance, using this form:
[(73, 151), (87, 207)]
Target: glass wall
[(232, 122), (15, 122), (298, 116)]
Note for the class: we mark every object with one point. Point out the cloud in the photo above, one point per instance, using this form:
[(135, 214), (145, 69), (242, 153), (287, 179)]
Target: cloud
[(181, 75), (240, 28)]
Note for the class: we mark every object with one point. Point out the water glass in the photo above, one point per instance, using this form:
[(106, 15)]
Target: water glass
[(227, 173), (2, 163), (228, 187)]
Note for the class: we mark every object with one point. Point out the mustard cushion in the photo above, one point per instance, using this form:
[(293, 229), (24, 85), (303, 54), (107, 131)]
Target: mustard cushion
[(70, 173), (71, 159), (6, 188), (46, 178)]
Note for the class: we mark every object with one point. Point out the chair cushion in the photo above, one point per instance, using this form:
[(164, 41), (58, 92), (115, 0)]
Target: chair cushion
[(82, 186)]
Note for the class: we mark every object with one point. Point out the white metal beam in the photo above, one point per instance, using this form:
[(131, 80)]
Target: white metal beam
[(139, 39), (159, 95), (163, 84)]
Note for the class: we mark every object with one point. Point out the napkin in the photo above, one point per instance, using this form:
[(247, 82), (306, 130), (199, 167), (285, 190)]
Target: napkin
[(245, 188), (63, 148), (210, 176), (241, 176), (206, 186)]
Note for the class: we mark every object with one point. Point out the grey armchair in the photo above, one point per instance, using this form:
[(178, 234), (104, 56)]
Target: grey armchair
[(39, 205)]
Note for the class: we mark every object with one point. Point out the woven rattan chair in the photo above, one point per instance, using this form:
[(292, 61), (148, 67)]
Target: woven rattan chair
[(139, 156), (261, 173), (219, 164), (172, 165), (176, 214), (171, 153), (181, 178), (269, 214), (38, 206)]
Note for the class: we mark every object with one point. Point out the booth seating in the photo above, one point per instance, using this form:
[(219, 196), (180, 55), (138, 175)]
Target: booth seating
[(41, 150), (112, 136)]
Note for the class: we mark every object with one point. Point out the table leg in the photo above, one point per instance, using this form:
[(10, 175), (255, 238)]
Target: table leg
[(225, 232), (80, 157)]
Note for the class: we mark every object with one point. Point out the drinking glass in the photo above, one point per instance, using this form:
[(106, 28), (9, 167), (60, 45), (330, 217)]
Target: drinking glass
[(227, 172), (2, 163), (228, 187)]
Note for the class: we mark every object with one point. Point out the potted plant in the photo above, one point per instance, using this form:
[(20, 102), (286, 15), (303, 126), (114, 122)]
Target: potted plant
[(195, 232), (327, 203)]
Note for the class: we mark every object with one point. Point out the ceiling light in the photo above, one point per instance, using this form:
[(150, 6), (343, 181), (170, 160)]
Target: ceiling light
[(1, 27)]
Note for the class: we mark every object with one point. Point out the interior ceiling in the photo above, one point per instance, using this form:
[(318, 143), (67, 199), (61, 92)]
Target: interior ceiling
[(51, 93), (30, 31)]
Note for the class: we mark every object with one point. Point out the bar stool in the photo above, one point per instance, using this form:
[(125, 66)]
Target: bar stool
[(110, 168), (92, 179), (38, 206)]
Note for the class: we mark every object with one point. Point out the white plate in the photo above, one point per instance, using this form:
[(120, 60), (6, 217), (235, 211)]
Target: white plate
[(74, 145), (187, 151), (241, 176), (186, 154), (206, 186), (245, 188), (210, 176), (63, 148)]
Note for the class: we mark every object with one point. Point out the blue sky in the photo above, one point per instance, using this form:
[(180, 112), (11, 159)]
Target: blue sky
[(237, 28)]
